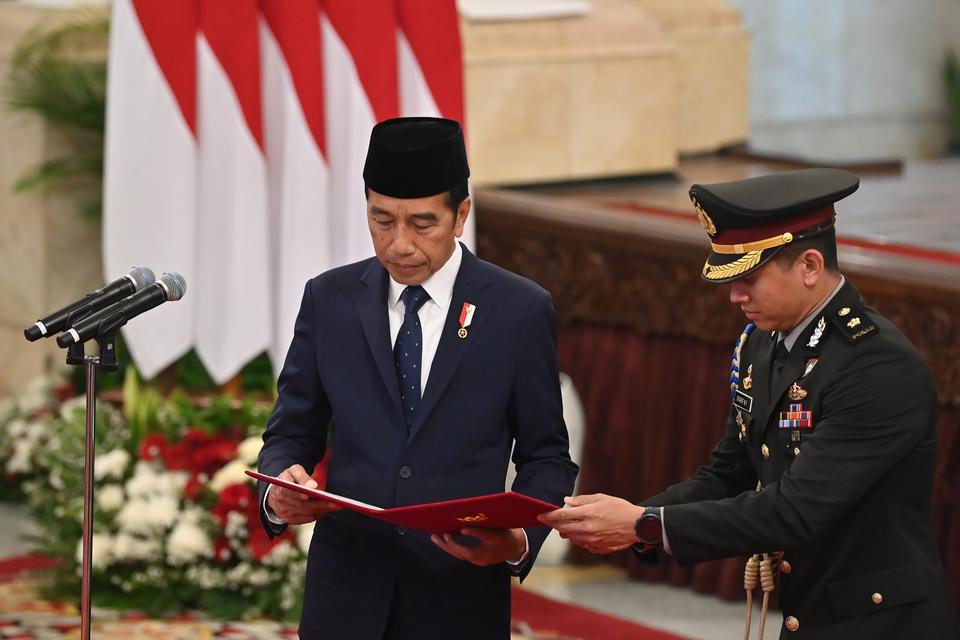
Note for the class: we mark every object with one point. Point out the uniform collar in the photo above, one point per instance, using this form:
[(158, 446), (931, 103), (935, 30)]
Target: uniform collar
[(439, 286), (791, 338)]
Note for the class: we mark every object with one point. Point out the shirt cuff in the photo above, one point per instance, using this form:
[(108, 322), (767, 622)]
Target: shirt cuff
[(271, 516), (526, 551), (663, 525)]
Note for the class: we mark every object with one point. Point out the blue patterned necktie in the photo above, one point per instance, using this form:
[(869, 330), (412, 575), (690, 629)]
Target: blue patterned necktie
[(408, 352)]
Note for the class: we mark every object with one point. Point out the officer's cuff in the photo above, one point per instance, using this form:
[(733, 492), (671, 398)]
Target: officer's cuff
[(526, 551), (271, 515)]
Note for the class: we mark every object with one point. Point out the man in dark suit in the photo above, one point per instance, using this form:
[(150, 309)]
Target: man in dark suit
[(421, 368), (826, 464)]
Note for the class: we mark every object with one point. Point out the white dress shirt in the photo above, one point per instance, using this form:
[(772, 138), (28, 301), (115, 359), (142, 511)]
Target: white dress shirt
[(433, 313)]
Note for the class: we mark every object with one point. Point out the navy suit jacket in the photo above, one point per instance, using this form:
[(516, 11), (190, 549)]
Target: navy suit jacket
[(497, 387)]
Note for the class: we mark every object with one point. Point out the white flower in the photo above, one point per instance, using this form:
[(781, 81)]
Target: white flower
[(305, 535), (188, 541), (110, 497), (35, 396), (147, 480), (258, 577), (236, 527), (18, 429), (70, 406), (56, 481), (278, 555), (230, 473), (102, 550), (249, 450), (127, 547), (111, 465), (19, 461), (147, 516), (25, 437), (7, 408)]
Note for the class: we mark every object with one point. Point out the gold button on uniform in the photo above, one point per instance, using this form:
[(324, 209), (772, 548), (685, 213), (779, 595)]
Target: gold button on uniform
[(877, 598), (785, 566), (791, 623), (765, 452)]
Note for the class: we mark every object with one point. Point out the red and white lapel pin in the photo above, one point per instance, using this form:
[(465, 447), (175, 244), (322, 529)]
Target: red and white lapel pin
[(466, 317)]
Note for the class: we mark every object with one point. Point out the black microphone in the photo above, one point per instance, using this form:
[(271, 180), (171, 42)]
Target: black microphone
[(170, 286), (137, 279)]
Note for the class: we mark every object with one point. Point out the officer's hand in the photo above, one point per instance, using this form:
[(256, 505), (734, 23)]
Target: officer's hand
[(493, 546), (297, 508), (598, 522)]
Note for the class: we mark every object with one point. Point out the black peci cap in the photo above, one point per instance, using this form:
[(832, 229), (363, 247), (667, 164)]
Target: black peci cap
[(415, 157), (749, 221)]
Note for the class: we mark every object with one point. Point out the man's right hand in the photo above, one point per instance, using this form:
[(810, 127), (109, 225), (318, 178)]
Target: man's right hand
[(297, 508)]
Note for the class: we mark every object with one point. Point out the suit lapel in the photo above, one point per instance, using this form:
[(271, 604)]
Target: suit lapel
[(469, 287), (371, 305)]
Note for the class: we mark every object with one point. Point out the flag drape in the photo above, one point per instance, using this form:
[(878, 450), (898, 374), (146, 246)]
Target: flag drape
[(236, 135)]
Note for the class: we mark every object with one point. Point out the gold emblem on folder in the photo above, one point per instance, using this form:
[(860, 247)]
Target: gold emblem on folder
[(480, 517)]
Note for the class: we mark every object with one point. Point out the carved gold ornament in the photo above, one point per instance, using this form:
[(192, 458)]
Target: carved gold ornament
[(705, 222), (480, 517), (731, 269)]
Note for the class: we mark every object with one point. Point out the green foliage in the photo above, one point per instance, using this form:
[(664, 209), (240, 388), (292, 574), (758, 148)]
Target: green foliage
[(61, 76), (951, 81)]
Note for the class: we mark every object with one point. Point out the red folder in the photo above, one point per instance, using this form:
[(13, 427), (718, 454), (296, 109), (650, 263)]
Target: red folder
[(506, 510)]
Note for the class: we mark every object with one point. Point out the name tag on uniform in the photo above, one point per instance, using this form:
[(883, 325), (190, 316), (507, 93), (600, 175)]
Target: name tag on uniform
[(743, 401)]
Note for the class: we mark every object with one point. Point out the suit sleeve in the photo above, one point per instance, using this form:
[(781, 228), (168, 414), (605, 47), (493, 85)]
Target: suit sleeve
[(297, 430), (535, 414), (876, 413)]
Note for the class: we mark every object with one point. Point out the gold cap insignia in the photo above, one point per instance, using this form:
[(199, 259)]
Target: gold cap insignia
[(704, 219)]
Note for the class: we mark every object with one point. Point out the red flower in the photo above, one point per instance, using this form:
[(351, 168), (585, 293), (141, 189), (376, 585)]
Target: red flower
[(153, 446), (221, 550), (241, 498)]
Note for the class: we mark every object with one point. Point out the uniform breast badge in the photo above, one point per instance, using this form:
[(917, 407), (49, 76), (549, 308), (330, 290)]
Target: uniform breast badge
[(466, 317), (743, 427), (796, 392), (748, 381), (792, 423), (818, 333)]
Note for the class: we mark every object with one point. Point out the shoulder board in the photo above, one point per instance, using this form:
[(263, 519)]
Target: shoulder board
[(854, 323)]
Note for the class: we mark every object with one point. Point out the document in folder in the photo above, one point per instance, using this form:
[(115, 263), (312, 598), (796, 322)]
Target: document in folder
[(507, 510)]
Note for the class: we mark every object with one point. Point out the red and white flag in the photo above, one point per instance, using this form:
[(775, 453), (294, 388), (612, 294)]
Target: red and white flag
[(361, 87), (298, 175), (429, 65), (237, 133), (234, 279), (149, 193)]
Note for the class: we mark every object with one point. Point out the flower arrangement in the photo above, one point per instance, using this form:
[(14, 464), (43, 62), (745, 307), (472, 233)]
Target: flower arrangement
[(177, 524)]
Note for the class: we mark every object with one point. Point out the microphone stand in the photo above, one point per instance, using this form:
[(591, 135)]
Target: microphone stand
[(107, 361)]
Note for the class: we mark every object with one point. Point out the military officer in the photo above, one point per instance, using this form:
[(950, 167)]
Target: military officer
[(826, 464)]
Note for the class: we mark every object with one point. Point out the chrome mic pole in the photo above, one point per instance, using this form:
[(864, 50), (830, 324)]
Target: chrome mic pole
[(89, 455)]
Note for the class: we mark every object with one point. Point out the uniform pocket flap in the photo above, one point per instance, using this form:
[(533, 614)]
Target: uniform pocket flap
[(880, 590)]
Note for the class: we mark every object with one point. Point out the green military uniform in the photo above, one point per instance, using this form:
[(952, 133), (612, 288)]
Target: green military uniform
[(841, 437)]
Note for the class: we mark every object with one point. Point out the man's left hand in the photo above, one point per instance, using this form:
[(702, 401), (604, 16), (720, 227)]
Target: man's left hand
[(494, 546), (597, 522)]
